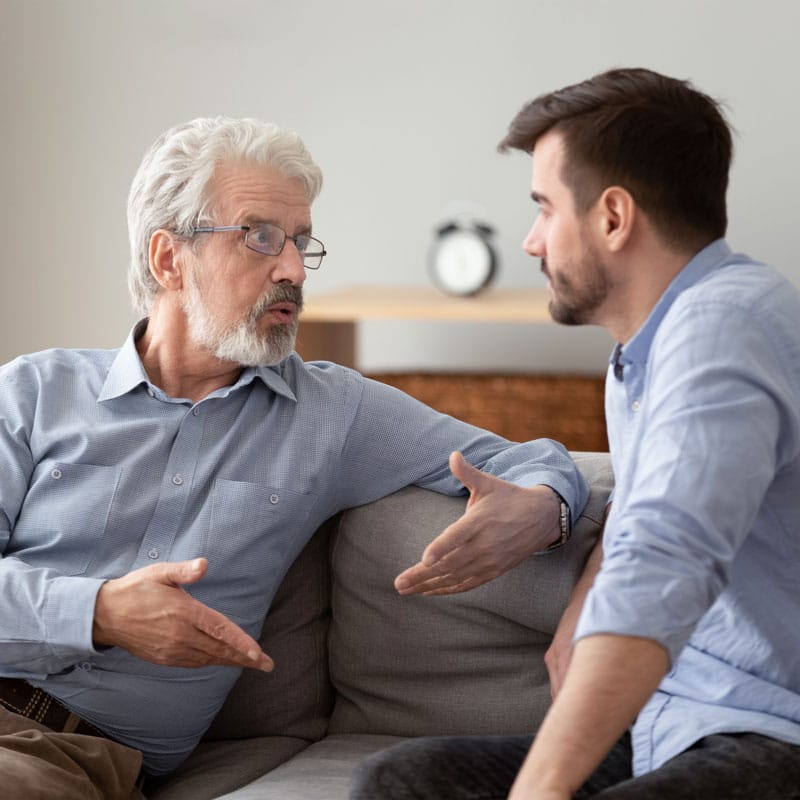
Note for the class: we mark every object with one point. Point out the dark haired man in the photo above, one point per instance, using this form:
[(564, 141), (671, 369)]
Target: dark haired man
[(684, 679)]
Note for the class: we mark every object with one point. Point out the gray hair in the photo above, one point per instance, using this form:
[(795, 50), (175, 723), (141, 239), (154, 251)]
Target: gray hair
[(171, 187)]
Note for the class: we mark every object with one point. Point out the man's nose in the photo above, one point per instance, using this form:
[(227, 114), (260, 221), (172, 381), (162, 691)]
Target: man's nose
[(533, 244), (289, 268)]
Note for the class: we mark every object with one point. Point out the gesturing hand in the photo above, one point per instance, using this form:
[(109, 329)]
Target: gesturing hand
[(147, 613), (503, 525)]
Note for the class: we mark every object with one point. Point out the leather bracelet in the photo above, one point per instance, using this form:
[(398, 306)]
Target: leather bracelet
[(565, 524)]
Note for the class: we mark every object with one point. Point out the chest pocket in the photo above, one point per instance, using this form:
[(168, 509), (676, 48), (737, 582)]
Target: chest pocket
[(251, 529), (65, 515)]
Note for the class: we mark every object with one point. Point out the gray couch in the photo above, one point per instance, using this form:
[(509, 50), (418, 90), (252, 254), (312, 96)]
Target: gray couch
[(359, 667)]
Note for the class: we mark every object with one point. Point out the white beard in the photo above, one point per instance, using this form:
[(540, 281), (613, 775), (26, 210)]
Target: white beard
[(241, 343)]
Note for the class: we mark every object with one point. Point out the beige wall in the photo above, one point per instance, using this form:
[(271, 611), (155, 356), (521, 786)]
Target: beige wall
[(401, 102)]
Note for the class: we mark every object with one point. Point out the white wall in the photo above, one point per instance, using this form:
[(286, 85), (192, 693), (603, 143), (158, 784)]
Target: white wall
[(401, 102)]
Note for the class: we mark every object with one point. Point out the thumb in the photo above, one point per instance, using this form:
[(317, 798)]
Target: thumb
[(179, 572), (470, 476)]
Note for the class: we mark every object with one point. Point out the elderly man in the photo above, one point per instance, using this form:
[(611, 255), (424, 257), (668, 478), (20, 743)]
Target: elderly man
[(689, 628), (152, 497)]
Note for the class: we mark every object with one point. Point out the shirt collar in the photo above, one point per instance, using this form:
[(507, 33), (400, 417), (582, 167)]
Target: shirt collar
[(127, 373), (708, 260)]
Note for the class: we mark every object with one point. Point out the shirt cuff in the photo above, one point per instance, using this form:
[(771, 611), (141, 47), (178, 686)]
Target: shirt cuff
[(69, 615)]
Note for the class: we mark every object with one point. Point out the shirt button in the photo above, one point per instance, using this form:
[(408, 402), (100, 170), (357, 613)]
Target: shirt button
[(196, 411), (56, 473), (152, 553), (273, 498), (177, 479), (636, 405), (85, 665), (151, 393)]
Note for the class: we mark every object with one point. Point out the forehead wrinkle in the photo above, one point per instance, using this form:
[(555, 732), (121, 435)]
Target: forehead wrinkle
[(248, 193)]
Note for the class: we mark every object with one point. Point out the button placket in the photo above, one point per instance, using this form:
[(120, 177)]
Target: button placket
[(175, 489)]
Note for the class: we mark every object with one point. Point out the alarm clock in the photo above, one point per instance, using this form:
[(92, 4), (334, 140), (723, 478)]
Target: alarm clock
[(462, 260)]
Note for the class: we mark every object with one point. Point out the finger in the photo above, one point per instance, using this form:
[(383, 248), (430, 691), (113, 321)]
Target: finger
[(196, 656), (179, 572), (445, 584), (241, 648), (447, 544), (409, 581), (454, 588), (421, 580)]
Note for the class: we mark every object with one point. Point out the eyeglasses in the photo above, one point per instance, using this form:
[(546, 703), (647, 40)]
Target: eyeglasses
[(269, 240)]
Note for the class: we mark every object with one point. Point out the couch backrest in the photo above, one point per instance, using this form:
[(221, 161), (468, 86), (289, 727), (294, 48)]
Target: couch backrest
[(296, 698), (467, 663), (353, 656)]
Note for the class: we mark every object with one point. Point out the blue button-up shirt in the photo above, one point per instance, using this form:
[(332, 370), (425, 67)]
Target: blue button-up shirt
[(102, 473), (702, 547)]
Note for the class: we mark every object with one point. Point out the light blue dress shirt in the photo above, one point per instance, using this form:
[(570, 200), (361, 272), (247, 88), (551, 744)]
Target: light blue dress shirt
[(102, 473), (702, 546)]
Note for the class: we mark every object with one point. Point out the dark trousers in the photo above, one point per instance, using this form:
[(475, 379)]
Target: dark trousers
[(721, 767)]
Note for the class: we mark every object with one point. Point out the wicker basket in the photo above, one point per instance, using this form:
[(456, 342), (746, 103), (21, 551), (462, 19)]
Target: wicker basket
[(518, 407)]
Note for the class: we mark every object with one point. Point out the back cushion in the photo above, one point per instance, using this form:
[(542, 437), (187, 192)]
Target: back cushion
[(468, 663), (295, 699)]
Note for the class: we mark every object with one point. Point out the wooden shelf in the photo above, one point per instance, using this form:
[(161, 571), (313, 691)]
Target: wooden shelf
[(328, 326)]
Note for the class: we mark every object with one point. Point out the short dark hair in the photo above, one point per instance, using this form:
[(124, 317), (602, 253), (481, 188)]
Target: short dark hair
[(661, 139)]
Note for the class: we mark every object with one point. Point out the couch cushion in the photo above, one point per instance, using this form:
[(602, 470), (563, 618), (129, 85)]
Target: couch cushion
[(469, 663), (296, 698), (320, 772), (215, 768)]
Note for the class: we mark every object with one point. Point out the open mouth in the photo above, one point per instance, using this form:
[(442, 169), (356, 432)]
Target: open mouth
[(283, 312)]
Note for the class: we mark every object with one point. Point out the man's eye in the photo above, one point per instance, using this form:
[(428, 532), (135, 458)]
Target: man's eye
[(301, 242), (259, 236)]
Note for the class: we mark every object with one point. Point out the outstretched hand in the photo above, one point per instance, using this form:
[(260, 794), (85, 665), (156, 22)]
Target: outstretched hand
[(503, 524), (148, 613)]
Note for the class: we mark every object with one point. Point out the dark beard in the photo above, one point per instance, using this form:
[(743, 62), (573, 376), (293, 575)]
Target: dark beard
[(577, 306)]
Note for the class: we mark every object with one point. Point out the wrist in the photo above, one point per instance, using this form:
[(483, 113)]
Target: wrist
[(563, 527)]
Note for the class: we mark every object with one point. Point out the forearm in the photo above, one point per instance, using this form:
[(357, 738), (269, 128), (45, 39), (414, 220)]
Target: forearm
[(586, 580), (558, 655), (415, 441), (609, 680)]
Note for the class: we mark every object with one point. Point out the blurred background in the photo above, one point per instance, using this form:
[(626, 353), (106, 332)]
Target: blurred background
[(401, 102)]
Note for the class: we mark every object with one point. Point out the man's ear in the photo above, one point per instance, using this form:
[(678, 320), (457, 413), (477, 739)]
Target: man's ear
[(616, 217), (166, 263)]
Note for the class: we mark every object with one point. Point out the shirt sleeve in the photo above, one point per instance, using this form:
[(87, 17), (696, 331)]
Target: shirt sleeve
[(414, 442), (47, 618), (716, 427)]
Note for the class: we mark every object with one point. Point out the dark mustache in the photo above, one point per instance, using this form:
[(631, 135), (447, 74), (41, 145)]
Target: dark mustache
[(282, 293), (543, 266)]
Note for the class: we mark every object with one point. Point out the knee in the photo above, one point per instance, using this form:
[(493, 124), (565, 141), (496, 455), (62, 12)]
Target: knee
[(400, 772), (378, 776)]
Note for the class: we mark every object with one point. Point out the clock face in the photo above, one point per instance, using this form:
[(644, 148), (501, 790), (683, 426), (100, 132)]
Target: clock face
[(463, 262)]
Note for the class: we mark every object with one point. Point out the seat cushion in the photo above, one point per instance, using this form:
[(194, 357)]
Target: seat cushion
[(320, 772)]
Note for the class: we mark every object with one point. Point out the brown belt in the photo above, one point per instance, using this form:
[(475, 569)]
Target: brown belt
[(20, 697)]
